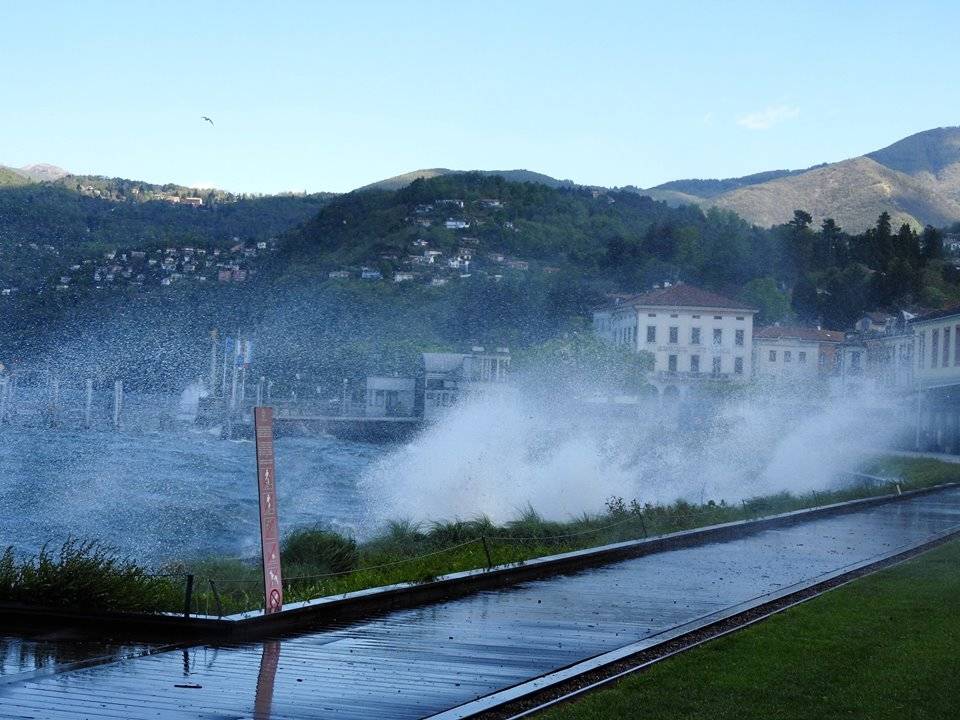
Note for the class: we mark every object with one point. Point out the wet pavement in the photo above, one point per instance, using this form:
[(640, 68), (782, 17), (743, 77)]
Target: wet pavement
[(417, 662)]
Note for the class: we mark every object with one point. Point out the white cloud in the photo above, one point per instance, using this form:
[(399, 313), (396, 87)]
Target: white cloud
[(768, 117)]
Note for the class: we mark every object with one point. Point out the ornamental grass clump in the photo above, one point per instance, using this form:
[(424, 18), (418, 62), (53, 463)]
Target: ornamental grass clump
[(323, 551), (82, 575)]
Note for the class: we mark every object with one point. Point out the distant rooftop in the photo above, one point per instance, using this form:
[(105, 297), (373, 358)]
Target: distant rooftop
[(683, 295), (798, 332)]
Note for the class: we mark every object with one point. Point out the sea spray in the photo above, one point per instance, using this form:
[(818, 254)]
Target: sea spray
[(505, 449)]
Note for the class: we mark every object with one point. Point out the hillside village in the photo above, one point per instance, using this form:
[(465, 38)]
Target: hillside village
[(451, 251), (141, 268)]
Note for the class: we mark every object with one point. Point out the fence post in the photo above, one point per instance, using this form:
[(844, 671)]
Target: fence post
[(486, 551), (216, 596), (88, 409), (117, 403), (188, 596), (54, 401)]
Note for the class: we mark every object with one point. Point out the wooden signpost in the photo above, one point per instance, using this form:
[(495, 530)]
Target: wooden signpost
[(269, 525)]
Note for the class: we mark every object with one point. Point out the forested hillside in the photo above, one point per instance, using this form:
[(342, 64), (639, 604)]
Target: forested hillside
[(375, 277)]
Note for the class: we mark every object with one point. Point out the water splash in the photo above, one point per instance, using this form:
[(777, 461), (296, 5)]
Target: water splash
[(497, 452)]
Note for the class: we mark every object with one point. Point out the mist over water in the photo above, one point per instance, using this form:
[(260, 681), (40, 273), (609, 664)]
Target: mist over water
[(180, 493), (166, 495), (507, 449)]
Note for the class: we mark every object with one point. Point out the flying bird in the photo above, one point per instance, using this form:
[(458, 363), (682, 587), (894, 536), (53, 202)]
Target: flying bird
[(204, 117)]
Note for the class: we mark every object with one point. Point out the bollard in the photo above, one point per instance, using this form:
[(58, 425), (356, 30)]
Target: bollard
[(188, 596), (486, 550)]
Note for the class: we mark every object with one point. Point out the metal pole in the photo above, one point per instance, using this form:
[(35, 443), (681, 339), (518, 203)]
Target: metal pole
[(233, 386), (916, 442), (260, 385), (117, 403), (10, 409), (88, 411), (188, 599), (54, 400), (214, 340), (223, 376)]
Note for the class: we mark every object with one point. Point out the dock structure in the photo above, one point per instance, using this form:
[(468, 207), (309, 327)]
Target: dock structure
[(458, 657), (41, 398)]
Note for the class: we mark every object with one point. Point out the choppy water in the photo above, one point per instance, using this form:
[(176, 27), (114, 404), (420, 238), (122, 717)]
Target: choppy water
[(167, 495)]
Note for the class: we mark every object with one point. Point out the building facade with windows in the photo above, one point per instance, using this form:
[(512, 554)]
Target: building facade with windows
[(936, 349), (693, 335), (449, 376), (791, 353)]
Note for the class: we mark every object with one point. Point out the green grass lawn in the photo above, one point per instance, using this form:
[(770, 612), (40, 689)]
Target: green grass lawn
[(885, 646)]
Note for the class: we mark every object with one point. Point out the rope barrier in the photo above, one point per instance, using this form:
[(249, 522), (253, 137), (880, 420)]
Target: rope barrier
[(641, 518), (384, 565)]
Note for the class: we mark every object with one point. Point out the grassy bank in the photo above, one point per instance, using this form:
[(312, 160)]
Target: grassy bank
[(886, 646), (318, 562)]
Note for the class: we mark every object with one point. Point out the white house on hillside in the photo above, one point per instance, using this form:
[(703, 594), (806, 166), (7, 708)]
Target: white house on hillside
[(692, 334)]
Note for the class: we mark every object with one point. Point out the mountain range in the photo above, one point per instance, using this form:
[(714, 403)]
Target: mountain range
[(916, 180)]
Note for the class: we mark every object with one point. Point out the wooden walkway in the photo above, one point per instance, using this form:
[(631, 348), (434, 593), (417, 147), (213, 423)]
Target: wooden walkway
[(419, 662)]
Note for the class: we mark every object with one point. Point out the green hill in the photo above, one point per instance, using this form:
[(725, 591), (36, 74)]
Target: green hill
[(401, 181), (372, 278)]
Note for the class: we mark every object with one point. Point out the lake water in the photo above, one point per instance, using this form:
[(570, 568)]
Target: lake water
[(166, 495)]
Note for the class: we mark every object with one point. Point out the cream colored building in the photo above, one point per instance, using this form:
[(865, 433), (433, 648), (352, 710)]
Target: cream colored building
[(693, 335), (795, 353), (936, 349)]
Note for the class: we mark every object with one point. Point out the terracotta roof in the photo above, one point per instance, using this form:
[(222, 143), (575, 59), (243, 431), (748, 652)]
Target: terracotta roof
[(682, 295), (797, 332)]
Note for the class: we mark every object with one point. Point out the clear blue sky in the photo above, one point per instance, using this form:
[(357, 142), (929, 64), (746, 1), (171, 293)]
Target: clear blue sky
[(329, 96)]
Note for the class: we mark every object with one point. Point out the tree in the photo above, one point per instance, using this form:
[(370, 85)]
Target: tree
[(834, 247), (763, 294), (932, 243), (800, 240), (805, 301), (906, 246)]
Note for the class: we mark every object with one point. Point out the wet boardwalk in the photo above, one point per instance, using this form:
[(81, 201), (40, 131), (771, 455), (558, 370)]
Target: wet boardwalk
[(419, 662)]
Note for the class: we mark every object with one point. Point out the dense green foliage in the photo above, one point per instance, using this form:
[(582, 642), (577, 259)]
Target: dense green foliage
[(577, 246), (841, 655), (82, 575), (64, 225)]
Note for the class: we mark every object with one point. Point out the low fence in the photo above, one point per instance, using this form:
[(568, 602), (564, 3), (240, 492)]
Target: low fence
[(372, 601)]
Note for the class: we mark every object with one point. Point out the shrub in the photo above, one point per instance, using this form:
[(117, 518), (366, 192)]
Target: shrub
[(83, 575), (324, 550)]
